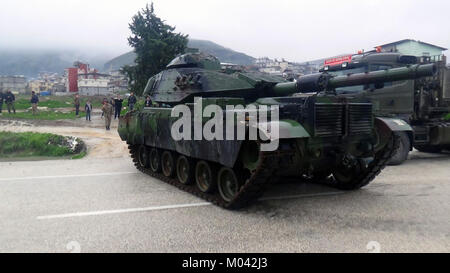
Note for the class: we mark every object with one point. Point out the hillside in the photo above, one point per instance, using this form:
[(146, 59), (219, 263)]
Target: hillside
[(224, 54), (31, 62)]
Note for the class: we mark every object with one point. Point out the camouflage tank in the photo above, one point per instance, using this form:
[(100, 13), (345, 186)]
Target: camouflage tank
[(317, 134)]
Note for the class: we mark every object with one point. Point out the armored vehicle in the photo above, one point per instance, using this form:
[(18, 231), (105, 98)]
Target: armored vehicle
[(423, 103), (317, 134)]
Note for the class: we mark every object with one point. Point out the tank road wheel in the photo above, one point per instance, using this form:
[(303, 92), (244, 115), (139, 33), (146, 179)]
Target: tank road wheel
[(185, 170), (155, 162), (143, 159), (346, 176), (228, 184), (168, 164), (357, 173), (205, 176)]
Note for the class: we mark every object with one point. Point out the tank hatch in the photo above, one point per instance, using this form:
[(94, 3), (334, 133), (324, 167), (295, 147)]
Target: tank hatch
[(201, 60)]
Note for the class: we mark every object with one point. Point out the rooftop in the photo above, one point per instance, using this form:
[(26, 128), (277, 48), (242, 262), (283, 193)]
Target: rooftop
[(411, 40)]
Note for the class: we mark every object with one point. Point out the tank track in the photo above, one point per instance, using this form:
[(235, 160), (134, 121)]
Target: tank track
[(374, 169), (254, 187)]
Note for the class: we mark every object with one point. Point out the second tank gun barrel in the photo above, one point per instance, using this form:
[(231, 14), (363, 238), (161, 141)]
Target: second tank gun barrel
[(324, 81)]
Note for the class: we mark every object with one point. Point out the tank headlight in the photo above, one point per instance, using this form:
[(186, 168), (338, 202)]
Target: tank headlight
[(344, 65)]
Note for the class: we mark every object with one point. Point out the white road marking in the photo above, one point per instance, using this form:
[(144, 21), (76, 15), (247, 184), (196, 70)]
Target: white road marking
[(65, 176), (103, 212)]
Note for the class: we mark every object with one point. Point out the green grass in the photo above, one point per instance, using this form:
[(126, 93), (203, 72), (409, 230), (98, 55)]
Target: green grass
[(80, 155), (42, 115), (23, 102), (32, 144), (447, 117)]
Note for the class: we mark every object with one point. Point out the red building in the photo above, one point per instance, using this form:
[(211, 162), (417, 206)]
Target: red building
[(72, 75)]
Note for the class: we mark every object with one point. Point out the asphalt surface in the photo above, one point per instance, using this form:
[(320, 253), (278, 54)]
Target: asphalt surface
[(105, 205)]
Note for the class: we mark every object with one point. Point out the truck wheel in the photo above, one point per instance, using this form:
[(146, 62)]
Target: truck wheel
[(401, 154), (429, 149)]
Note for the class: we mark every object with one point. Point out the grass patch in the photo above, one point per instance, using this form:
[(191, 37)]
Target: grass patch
[(35, 144), (80, 155), (447, 117), (23, 101), (43, 115)]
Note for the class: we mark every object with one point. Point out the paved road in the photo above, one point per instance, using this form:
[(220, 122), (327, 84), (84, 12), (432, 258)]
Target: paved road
[(104, 205)]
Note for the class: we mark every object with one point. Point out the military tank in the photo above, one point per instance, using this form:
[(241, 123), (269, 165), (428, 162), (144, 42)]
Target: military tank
[(319, 136)]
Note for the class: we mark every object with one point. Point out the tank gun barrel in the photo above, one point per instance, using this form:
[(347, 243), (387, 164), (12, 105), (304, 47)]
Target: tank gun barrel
[(324, 81)]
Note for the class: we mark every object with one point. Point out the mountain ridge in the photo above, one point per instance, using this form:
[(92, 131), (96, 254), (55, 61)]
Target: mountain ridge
[(224, 54)]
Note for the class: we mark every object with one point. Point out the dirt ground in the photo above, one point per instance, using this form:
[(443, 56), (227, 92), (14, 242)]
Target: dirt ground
[(100, 143)]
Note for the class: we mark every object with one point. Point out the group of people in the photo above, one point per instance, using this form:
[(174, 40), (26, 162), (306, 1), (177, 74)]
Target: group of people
[(9, 99), (114, 105)]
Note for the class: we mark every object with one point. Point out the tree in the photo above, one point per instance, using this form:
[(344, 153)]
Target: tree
[(155, 44)]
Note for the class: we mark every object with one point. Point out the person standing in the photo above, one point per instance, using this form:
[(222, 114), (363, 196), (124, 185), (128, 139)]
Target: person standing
[(148, 102), (107, 110), (88, 110), (34, 103), (131, 101), (77, 104), (10, 99), (117, 106), (1, 101)]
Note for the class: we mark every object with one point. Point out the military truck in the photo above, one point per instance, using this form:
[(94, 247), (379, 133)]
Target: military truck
[(316, 136), (423, 103)]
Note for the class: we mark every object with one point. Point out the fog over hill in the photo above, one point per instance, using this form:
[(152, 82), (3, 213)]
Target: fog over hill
[(31, 62), (224, 54)]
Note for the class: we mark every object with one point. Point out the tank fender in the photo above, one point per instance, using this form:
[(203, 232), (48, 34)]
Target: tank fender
[(397, 125), (287, 128)]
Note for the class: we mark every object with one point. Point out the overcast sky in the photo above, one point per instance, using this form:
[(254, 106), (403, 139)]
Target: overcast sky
[(296, 30)]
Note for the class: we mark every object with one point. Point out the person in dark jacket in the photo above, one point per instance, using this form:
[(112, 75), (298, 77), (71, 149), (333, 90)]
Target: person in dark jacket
[(118, 101), (10, 99), (88, 110), (148, 102), (1, 101), (34, 102), (131, 101)]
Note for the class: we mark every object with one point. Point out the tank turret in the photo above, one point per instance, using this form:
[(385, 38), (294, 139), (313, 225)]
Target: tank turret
[(199, 74)]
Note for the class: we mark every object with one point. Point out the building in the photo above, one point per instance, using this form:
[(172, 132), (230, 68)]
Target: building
[(39, 86), (93, 84), (72, 74), (16, 84), (118, 81), (413, 47)]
